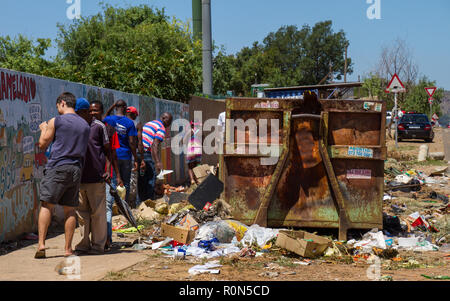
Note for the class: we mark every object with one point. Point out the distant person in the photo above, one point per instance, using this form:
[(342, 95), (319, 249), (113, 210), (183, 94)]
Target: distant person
[(133, 113), (62, 174), (153, 134), (127, 133), (112, 167), (92, 208), (194, 151)]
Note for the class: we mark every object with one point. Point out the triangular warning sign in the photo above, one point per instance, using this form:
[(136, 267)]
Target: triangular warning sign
[(431, 91), (395, 85)]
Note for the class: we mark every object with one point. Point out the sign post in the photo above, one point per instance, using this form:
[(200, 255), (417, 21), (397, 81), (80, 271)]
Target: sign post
[(395, 86), (430, 91)]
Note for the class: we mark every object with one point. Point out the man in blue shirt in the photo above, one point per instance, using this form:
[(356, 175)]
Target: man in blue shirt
[(127, 133)]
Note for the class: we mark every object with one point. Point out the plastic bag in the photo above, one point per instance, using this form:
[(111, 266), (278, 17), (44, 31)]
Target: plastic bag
[(260, 235), (238, 227), (216, 229)]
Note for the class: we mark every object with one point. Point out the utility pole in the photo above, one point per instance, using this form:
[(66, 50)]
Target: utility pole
[(345, 66), (207, 47), (197, 19)]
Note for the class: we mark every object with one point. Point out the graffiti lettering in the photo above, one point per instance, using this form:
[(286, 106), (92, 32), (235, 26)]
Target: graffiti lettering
[(14, 87)]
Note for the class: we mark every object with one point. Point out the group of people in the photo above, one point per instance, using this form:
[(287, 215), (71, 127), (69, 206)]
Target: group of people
[(88, 150)]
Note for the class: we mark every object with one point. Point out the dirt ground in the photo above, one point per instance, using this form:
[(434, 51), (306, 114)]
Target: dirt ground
[(279, 265), (273, 267)]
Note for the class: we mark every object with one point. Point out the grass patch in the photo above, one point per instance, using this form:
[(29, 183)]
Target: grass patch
[(430, 162), (284, 261), (115, 276)]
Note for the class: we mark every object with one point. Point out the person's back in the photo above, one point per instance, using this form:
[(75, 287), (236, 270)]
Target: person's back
[(125, 128), (70, 142)]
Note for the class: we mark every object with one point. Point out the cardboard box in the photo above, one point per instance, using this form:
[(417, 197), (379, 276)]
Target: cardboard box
[(188, 222), (179, 234), (303, 243)]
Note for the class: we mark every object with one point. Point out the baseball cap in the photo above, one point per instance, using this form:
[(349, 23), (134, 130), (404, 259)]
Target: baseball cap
[(133, 110), (82, 104)]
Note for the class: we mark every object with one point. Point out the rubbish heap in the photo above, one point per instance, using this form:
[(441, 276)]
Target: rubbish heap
[(183, 226)]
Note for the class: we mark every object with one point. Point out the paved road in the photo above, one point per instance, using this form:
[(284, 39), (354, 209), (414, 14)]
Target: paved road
[(21, 265)]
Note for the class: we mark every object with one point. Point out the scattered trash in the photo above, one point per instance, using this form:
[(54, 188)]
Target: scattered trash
[(371, 239), (435, 195), (129, 230), (303, 243), (141, 247), (217, 229), (206, 193), (208, 245), (161, 244), (304, 262), (182, 235), (247, 252), (258, 234), (210, 268), (269, 274)]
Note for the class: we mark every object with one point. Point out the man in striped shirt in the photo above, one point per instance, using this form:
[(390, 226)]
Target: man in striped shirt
[(153, 133)]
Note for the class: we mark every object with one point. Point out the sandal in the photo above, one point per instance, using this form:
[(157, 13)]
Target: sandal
[(40, 254)]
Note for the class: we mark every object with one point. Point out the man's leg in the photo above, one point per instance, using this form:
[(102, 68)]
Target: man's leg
[(150, 174), (125, 174), (97, 201), (69, 228), (45, 218), (83, 212)]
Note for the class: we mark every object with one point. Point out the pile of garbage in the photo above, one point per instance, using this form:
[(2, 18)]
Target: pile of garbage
[(413, 180), (187, 226)]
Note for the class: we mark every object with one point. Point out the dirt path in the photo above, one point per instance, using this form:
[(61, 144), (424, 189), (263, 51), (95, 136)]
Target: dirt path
[(21, 265)]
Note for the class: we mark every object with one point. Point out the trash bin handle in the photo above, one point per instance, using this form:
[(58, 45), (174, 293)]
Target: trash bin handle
[(306, 116)]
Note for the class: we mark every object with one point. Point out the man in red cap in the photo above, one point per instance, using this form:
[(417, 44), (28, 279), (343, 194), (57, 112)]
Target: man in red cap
[(133, 113)]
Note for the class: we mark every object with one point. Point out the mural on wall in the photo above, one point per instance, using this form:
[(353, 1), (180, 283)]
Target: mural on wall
[(26, 101)]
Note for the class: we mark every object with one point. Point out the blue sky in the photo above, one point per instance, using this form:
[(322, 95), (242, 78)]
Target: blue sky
[(424, 25)]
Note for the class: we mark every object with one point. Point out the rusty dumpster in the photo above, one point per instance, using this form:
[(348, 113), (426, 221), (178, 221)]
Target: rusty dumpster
[(329, 169)]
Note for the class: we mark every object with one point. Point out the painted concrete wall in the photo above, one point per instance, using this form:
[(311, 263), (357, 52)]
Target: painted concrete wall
[(25, 101)]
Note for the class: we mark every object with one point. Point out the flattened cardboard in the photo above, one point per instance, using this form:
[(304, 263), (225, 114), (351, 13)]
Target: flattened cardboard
[(296, 242), (182, 235)]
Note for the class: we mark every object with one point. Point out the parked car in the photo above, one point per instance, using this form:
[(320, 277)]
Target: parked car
[(415, 126)]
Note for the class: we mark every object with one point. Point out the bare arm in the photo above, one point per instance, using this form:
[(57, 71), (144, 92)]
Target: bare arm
[(155, 155), (110, 109), (47, 133)]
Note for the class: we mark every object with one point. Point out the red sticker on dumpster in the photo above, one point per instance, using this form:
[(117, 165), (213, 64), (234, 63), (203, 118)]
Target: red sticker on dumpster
[(359, 174)]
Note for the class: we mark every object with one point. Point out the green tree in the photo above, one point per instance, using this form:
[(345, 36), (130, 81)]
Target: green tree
[(289, 57), (23, 54), (373, 87), (417, 98), (136, 50)]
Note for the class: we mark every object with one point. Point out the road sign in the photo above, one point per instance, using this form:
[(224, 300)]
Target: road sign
[(396, 85), (430, 91), (430, 100)]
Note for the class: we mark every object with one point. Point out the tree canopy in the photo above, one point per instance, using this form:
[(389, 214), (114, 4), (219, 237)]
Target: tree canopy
[(288, 57)]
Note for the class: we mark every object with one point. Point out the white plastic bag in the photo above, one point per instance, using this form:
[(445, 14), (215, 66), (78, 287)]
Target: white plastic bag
[(260, 235)]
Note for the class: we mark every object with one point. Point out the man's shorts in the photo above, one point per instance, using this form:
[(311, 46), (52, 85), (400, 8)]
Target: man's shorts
[(60, 185)]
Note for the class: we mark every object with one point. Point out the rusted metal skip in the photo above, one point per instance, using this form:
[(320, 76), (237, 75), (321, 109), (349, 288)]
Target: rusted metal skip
[(261, 215)]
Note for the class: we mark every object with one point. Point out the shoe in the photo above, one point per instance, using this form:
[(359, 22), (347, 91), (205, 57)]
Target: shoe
[(95, 252)]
